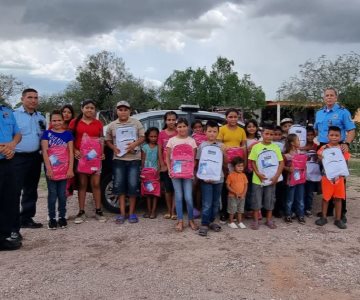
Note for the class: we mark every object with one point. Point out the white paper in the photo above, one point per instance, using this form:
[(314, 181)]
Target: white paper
[(124, 136)]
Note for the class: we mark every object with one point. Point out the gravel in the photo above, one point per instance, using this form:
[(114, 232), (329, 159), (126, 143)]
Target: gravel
[(149, 260)]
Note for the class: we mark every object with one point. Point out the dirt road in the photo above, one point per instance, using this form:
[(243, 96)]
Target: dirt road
[(149, 260)]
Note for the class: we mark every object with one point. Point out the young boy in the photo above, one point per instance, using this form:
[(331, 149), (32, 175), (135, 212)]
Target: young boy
[(285, 125), (332, 189), (210, 189), (264, 195), (236, 184)]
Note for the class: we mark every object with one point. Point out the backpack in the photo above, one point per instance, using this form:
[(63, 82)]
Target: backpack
[(334, 163), (299, 165), (313, 172), (199, 138), (182, 162), (150, 182), (91, 152), (300, 131), (268, 164), (210, 163), (59, 161)]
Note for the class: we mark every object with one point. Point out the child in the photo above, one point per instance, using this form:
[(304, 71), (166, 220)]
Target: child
[(295, 191), (211, 189), (236, 183), (182, 184), (68, 114), (124, 136), (285, 125), (87, 123), (310, 186), (150, 159), (60, 140), (169, 131), (263, 193), (279, 138), (334, 188)]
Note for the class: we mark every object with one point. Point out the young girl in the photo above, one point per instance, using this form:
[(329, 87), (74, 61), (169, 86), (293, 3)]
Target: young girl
[(57, 149), (232, 136), (252, 137), (182, 184), (168, 132), (295, 192), (86, 123), (68, 114), (150, 159)]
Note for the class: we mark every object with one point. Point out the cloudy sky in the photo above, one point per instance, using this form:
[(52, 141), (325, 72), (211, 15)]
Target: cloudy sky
[(42, 42)]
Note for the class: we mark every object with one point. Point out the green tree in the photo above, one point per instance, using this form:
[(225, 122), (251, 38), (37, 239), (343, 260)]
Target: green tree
[(342, 73), (48, 103), (9, 87)]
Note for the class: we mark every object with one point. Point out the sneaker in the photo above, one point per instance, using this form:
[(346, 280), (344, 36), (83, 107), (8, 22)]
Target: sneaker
[(321, 222), (99, 215), (340, 224), (52, 224), (16, 236), (223, 219), (344, 219), (301, 220), (232, 225), (62, 223), (288, 219), (308, 213), (242, 225), (80, 218)]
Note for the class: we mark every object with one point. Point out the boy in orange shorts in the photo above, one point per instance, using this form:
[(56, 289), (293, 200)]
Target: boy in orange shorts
[(335, 188)]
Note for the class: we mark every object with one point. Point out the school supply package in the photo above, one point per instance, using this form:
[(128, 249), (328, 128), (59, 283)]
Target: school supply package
[(91, 152), (59, 161), (210, 163), (182, 162)]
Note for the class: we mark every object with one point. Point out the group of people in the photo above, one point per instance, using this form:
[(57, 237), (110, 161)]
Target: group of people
[(225, 169)]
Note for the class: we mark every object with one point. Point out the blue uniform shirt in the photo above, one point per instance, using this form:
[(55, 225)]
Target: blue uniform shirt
[(8, 126), (31, 127), (336, 116)]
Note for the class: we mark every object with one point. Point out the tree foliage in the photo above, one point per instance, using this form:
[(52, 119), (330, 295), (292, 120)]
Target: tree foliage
[(342, 73), (219, 87), (9, 87)]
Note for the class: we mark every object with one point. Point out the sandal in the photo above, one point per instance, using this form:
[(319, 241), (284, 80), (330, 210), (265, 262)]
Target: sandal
[(179, 226), (254, 225), (203, 230), (146, 215), (271, 224), (215, 227), (174, 217), (133, 219), (167, 216), (193, 225), (120, 219), (153, 216)]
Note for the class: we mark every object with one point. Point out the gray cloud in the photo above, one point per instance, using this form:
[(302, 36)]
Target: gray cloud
[(309, 20), (84, 18)]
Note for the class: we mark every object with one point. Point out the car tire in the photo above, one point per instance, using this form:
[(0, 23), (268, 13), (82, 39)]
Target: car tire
[(109, 200)]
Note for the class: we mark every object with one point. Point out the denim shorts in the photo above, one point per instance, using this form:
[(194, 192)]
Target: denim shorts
[(126, 177)]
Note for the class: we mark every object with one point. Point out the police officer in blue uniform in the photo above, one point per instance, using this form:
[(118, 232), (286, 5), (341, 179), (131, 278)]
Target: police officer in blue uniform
[(333, 114), (28, 159), (9, 138)]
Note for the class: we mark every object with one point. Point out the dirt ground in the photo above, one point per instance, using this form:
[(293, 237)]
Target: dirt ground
[(149, 260)]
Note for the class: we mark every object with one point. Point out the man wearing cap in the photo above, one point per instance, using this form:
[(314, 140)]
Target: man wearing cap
[(332, 114), (9, 137), (124, 136), (28, 160)]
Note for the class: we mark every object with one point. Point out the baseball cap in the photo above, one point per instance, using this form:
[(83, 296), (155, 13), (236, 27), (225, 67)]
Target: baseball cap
[(286, 120), (123, 103)]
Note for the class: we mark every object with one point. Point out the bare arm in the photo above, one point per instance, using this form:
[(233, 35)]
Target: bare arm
[(70, 172)]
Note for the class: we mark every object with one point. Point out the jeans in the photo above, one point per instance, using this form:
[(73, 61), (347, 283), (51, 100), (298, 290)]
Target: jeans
[(210, 195), (28, 168), (126, 177), (295, 195), (183, 187), (56, 190), (310, 188)]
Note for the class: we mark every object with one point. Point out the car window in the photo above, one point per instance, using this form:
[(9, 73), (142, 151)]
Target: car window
[(157, 122)]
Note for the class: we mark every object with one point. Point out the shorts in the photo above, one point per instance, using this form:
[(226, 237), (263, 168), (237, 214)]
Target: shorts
[(263, 196), (168, 185), (126, 175), (333, 190), (235, 205)]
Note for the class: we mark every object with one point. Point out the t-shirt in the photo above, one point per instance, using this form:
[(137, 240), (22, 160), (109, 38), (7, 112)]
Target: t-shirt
[(230, 137), (93, 129), (57, 138), (198, 155), (163, 139), (174, 141), (111, 136), (237, 181), (255, 152), (151, 158)]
